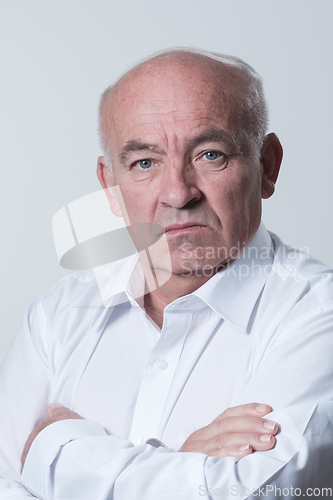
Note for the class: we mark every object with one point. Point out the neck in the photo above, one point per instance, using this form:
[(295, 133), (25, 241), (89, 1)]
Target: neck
[(177, 286)]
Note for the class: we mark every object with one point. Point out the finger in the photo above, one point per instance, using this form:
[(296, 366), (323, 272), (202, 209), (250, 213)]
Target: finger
[(238, 441), (52, 407), (247, 410), (247, 424), (56, 405), (57, 411), (237, 452), (227, 425)]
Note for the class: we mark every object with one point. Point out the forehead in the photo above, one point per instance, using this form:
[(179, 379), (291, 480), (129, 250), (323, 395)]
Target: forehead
[(174, 95)]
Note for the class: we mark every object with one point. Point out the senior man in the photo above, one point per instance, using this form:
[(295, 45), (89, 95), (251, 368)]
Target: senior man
[(166, 392)]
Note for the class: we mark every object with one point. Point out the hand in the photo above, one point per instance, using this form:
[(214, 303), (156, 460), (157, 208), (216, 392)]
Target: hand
[(55, 412), (237, 432)]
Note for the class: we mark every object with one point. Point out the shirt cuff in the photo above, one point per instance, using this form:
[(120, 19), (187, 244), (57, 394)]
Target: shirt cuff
[(45, 448)]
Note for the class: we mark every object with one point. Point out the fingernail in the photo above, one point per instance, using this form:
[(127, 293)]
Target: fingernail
[(269, 424), (244, 448), (56, 405), (261, 408), (265, 438)]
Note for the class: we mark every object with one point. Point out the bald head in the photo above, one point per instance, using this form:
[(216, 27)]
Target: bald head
[(195, 75)]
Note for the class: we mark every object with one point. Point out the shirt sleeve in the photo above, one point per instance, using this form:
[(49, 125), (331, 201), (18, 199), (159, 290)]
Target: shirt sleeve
[(24, 389), (77, 460)]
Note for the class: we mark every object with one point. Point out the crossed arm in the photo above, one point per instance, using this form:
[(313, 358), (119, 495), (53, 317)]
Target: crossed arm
[(88, 463), (237, 432), (76, 459)]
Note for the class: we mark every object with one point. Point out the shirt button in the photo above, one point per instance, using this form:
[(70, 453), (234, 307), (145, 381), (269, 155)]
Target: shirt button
[(162, 364), (142, 439)]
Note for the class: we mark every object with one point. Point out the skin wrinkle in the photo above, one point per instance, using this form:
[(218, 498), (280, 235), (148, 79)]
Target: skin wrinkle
[(213, 135), (235, 136)]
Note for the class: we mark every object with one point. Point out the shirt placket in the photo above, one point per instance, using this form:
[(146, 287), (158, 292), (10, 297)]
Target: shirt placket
[(158, 376)]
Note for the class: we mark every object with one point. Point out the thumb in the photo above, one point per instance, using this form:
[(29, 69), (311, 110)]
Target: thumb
[(52, 407)]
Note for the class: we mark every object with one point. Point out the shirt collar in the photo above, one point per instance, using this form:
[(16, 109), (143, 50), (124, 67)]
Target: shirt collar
[(120, 281), (232, 292)]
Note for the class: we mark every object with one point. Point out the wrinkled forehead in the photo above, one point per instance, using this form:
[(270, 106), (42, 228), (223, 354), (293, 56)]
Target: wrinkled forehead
[(172, 89)]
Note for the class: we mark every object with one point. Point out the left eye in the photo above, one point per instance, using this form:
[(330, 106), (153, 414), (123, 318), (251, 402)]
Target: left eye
[(145, 163), (211, 155)]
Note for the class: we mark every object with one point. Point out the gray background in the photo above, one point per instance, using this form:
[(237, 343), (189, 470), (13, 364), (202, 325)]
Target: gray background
[(58, 56)]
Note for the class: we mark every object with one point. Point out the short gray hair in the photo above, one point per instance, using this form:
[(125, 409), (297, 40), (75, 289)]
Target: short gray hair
[(252, 108)]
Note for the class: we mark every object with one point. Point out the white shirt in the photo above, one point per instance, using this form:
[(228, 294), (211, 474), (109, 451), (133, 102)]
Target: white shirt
[(258, 331)]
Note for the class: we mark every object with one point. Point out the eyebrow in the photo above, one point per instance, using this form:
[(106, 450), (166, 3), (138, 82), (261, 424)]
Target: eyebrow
[(136, 145), (212, 135)]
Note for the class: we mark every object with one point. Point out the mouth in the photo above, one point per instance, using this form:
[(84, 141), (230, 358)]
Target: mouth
[(180, 229)]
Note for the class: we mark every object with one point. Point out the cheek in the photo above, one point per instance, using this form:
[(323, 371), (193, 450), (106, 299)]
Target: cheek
[(227, 194), (235, 197), (247, 206), (138, 203)]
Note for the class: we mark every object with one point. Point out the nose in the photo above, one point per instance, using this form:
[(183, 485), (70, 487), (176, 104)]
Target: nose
[(178, 187)]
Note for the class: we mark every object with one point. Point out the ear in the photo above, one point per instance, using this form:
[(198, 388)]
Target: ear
[(270, 159), (106, 180)]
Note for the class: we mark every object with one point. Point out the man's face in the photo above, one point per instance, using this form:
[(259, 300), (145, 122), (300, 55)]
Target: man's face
[(177, 164)]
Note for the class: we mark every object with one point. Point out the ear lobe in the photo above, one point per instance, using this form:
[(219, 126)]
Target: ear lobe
[(271, 158), (106, 180)]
